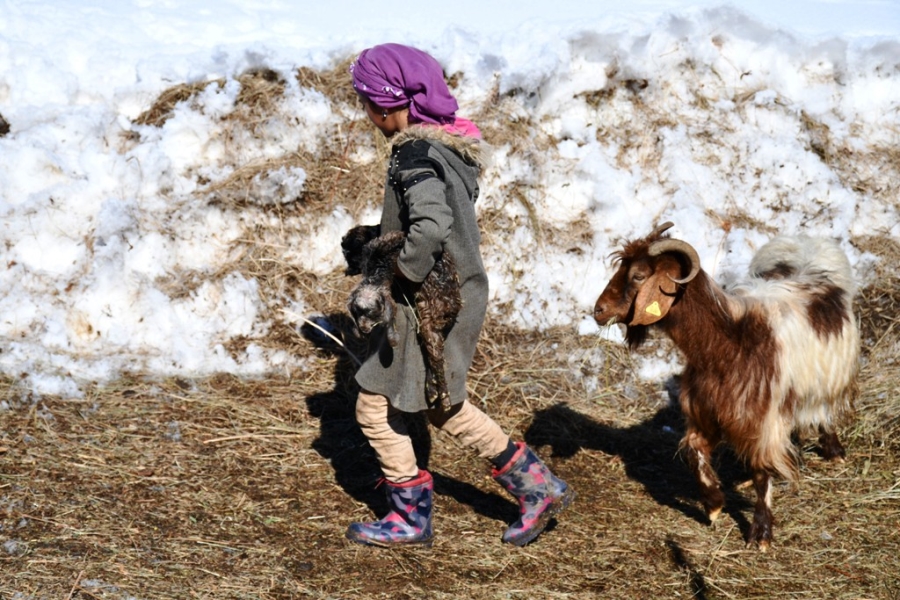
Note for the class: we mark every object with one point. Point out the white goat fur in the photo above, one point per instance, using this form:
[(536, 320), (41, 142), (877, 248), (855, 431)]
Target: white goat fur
[(819, 370)]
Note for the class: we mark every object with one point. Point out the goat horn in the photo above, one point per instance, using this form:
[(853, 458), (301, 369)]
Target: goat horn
[(661, 229), (670, 245)]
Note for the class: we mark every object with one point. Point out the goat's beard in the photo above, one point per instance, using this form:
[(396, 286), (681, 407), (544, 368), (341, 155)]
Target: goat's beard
[(635, 335)]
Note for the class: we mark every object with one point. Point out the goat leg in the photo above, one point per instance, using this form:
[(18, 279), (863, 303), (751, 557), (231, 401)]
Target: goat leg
[(433, 342), (432, 396), (699, 451), (761, 528), (388, 320), (431, 336), (436, 387), (831, 446)]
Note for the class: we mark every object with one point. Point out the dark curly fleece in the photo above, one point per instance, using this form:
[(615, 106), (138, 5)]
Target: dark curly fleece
[(352, 246), (373, 301)]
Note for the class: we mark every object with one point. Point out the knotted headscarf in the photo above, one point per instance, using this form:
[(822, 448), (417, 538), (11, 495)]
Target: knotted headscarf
[(392, 75)]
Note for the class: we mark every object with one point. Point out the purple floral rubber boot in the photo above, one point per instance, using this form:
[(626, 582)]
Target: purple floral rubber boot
[(408, 522), (541, 494)]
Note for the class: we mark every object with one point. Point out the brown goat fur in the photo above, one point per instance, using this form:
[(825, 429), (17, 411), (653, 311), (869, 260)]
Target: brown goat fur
[(373, 302), (775, 355)]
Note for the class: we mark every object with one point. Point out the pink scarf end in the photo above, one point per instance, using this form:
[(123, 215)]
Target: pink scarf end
[(463, 127)]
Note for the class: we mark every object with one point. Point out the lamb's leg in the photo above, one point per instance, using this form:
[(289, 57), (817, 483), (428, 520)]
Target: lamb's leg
[(431, 336), (831, 445), (387, 319), (436, 382), (699, 452), (761, 529)]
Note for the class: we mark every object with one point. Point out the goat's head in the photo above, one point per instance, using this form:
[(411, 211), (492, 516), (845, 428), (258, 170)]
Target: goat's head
[(371, 306), (352, 245), (370, 303), (646, 283)]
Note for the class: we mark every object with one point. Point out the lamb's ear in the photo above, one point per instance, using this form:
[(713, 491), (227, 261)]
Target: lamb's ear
[(656, 296)]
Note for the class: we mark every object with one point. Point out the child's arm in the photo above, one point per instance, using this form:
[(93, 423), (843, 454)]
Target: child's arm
[(420, 181)]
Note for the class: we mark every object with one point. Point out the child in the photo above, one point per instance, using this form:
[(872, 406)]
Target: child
[(430, 194)]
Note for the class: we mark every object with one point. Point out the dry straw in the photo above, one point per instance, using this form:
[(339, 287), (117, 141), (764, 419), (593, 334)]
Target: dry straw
[(236, 488)]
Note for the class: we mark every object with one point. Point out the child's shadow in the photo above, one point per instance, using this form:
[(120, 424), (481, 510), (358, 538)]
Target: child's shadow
[(343, 444), (340, 439), (648, 450)]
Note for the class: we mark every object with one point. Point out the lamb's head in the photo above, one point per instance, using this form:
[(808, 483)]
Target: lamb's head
[(371, 306), (371, 303), (646, 282)]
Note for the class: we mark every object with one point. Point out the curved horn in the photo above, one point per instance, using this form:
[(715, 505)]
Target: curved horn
[(670, 245), (660, 229)]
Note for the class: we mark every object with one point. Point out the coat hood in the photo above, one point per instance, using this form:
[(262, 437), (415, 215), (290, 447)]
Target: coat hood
[(472, 150)]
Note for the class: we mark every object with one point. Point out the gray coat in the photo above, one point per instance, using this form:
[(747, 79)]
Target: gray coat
[(430, 194)]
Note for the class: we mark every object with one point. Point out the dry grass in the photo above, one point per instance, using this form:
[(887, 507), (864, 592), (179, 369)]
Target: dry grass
[(260, 89), (230, 488), (331, 82)]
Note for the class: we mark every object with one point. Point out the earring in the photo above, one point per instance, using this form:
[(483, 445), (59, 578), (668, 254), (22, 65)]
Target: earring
[(384, 114)]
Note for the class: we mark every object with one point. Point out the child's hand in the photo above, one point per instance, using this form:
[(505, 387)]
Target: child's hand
[(398, 274), (407, 286)]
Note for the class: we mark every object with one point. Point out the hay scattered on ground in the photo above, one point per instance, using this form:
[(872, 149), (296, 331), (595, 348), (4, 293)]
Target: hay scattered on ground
[(243, 489), (231, 488)]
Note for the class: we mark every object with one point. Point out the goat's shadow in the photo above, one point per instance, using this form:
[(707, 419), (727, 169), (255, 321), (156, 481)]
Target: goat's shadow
[(343, 444), (649, 452)]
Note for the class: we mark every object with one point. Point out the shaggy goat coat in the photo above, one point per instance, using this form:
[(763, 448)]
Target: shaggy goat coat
[(430, 194), (775, 355)]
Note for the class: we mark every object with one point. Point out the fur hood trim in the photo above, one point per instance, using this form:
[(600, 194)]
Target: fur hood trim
[(472, 150)]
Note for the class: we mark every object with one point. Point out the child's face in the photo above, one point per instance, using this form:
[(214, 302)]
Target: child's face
[(394, 122)]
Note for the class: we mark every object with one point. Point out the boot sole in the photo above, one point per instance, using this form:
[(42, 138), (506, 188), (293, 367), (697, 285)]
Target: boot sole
[(559, 505), (426, 543)]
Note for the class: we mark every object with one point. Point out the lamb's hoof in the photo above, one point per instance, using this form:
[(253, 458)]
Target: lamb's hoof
[(713, 516)]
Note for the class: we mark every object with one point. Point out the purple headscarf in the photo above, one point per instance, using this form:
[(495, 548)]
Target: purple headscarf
[(392, 75)]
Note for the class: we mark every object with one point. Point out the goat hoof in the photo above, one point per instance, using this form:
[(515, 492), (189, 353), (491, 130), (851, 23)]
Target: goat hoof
[(713, 516), (760, 536)]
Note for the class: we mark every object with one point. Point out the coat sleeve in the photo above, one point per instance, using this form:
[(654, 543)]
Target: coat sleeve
[(419, 180)]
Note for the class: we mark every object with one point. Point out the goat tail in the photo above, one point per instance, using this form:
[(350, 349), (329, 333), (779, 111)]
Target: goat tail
[(804, 258)]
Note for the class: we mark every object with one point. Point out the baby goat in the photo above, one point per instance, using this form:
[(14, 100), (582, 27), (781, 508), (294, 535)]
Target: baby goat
[(352, 245), (373, 302), (777, 354)]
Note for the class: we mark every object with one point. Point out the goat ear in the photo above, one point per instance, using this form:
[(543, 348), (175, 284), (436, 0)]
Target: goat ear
[(654, 299)]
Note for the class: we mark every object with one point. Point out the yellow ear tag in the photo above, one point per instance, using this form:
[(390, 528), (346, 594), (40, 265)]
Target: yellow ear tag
[(653, 309)]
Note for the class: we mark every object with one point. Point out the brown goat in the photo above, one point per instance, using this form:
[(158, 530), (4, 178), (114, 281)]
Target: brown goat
[(373, 301), (775, 355)]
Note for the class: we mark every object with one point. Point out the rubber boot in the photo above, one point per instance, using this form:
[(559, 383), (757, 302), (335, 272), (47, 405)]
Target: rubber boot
[(409, 520), (541, 494)]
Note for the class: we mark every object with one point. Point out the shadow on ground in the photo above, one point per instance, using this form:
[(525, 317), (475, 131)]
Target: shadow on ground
[(649, 452), (342, 443)]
